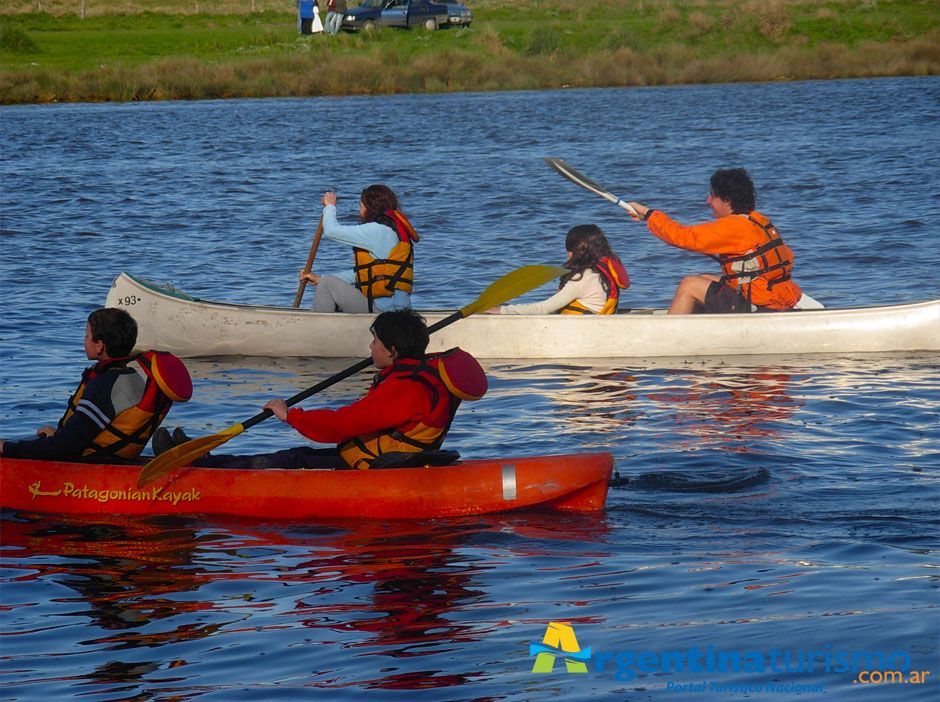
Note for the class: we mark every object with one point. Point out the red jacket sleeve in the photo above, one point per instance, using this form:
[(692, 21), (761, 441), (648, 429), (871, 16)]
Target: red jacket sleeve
[(393, 403)]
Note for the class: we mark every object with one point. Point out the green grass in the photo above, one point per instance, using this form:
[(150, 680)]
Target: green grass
[(122, 53)]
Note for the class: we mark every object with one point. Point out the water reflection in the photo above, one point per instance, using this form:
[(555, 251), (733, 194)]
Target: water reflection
[(714, 403), (111, 564), (585, 397), (736, 404), (397, 590)]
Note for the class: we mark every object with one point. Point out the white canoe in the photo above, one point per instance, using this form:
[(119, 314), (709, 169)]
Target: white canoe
[(170, 320)]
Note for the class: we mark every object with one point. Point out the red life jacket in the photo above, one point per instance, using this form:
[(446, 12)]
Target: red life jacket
[(614, 278), (450, 377)]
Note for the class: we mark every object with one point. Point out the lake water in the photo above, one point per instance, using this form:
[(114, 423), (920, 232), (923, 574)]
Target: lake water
[(780, 509)]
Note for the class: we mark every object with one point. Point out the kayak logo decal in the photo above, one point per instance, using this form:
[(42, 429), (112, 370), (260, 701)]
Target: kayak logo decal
[(103, 495), (36, 491), (559, 640)]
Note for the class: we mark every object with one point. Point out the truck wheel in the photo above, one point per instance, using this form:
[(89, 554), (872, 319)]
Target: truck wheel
[(430, 24), (368, 26)]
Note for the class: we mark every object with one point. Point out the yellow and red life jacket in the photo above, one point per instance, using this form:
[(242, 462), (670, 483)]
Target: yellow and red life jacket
[(614, 278), (376, 277), (771, 260), (166, 381), (450, 376)]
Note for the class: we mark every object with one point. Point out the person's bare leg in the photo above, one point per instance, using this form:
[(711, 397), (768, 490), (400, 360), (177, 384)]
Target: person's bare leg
[(691, 291)]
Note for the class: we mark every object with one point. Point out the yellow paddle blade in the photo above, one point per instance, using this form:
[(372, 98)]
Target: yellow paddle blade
[(512, 285), (184, 454)]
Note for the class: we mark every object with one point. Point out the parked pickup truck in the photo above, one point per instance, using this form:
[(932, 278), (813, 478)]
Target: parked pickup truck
[(396, 13)]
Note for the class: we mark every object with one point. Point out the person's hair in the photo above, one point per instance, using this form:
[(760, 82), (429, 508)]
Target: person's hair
[(402, 331), (735, 186), (115, 328), (587, 245), (378, 199)]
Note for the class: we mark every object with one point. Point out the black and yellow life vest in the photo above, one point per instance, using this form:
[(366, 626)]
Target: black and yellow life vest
[(381, 277), (166, 381), (450, 377), (614, 278), (771, 260)]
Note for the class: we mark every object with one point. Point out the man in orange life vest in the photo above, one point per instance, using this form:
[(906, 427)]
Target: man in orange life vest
[(119, 402), (755, 263)]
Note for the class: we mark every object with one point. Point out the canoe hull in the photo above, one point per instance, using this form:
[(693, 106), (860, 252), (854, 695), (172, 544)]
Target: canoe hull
[(577, 482), (188, 327)]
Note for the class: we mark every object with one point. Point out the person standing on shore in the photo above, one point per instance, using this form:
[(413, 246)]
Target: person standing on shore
[(305, 16), (755, 263), (335, 9), (317, 27)]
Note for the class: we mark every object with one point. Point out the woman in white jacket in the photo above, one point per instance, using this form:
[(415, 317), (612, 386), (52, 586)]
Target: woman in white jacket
[(592, 287), (317, 24)]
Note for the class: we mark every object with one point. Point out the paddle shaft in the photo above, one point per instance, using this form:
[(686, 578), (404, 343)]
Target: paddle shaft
[(304, 394), (342, 375), (313, 253)]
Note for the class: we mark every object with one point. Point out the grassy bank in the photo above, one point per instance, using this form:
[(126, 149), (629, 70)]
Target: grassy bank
[(193, 49)]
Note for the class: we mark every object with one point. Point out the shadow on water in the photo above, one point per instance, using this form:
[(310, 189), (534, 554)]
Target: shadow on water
[(704, 481)]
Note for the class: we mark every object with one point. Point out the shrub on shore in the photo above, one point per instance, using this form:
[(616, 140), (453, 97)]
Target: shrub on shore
[(250, 48)]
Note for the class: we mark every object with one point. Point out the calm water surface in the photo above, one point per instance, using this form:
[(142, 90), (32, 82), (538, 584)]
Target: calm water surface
[(783, 508)]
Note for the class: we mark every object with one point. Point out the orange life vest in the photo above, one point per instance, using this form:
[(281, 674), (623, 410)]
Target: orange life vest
[(377, 277), (165, 380), (771, 260), (614, 278), (450, 376)]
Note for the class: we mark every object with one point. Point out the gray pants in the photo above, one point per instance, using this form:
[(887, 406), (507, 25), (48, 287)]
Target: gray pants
[(336, 295), (336, 23)]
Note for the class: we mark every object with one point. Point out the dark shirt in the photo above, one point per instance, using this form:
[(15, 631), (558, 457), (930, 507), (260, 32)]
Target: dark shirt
[(105, 396)]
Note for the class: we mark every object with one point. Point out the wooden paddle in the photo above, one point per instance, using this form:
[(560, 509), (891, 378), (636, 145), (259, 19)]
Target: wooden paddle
[(313, 253), (506, 288), (571, 174)]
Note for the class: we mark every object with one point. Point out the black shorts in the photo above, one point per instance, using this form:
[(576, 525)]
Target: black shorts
[(722, 299)]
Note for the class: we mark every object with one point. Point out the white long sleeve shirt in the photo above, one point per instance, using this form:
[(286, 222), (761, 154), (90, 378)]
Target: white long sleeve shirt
[(588, 290)]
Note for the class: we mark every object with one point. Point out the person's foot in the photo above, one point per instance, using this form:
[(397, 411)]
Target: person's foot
[(161, 441), (179, 436)]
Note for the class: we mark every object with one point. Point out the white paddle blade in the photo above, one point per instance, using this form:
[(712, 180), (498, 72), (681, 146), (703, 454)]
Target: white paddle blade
[(575, 177), (808, 303)]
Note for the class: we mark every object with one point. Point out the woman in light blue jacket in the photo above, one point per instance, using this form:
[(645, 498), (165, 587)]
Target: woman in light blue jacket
[(383, 252)]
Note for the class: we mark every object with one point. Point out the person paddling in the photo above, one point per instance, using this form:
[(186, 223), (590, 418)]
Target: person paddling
[(401, 421), (383, 257), (755, 263), (593, 284), (119, 402)]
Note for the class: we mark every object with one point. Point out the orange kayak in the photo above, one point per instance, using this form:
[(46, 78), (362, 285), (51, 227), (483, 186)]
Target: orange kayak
[(576, 482)]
